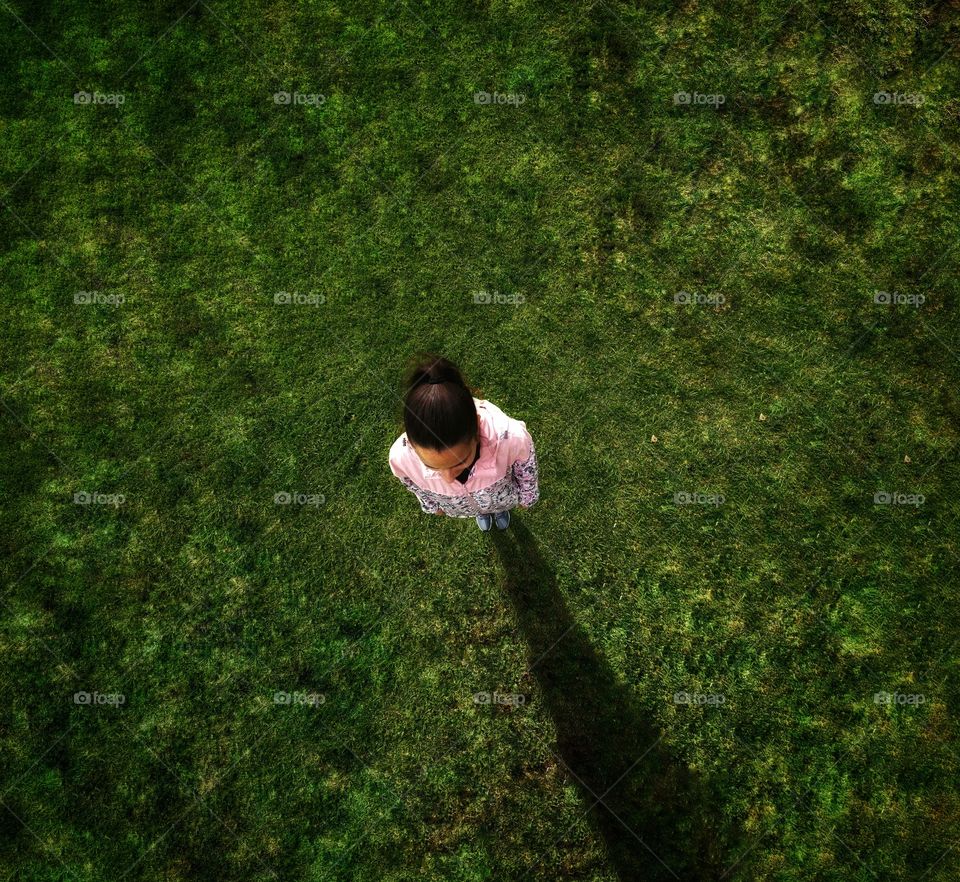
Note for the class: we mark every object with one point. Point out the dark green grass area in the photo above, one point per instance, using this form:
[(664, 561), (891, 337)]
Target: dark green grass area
[(784, 393)]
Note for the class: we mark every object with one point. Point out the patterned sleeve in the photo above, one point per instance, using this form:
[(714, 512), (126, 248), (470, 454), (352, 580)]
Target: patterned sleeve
[(429, 506), (526, 476)]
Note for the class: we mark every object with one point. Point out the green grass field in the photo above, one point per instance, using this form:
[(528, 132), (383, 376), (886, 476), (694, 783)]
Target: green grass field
[(720, 244)]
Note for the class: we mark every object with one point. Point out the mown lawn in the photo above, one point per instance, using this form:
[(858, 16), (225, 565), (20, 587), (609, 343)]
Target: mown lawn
[(214, 269)]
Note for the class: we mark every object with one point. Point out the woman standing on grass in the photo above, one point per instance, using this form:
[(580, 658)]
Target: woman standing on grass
[(462, 456)]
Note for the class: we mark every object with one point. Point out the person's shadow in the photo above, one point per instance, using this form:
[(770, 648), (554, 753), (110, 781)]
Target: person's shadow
[(653, 812)]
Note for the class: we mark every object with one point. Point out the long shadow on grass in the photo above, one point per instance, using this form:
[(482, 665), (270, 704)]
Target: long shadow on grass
[(654, 814)]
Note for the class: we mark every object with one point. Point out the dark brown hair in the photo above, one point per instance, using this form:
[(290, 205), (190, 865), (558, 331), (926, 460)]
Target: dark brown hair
[(438, 408)]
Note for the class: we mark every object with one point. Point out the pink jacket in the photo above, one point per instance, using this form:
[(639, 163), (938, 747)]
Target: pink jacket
[(503, 477)]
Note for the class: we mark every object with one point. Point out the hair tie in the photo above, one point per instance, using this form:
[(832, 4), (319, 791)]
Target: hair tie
[(432, 380)]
